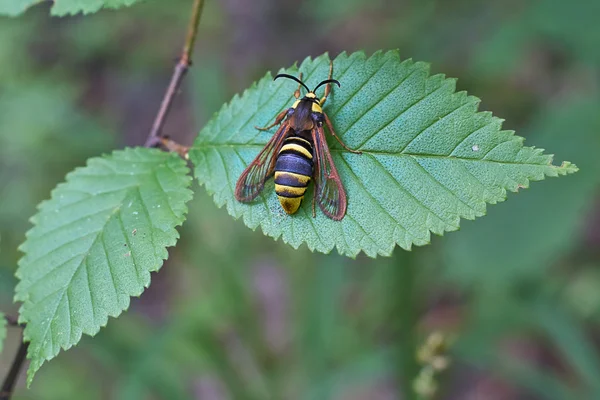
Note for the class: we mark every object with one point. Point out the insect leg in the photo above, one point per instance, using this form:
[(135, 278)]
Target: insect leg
[(278, 120), (297, 92), (330, 126), (328, 86)]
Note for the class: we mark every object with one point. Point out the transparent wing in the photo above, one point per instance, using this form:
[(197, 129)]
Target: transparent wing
[(252, 180), (329, 191)]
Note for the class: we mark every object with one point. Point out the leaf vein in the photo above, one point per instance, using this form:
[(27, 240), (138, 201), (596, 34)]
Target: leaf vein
[(468, 136), (62, 246), (310, 219), (433, 123), (131, 250), (109, 266), (264, 200), (393, 89), (56, 268), (401, 113), (149, 218), (164, 193), (69, 317), (357, 90), (89, 285), (375, 200), (365, 234), (404, 154), (443, 187), (483, 156), (68, 224), (229, 183), (408, 192), (340, 76), (483, 186), (89, 196)]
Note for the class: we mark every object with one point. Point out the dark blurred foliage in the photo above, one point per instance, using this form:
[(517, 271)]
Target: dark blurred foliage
[(235, 315)]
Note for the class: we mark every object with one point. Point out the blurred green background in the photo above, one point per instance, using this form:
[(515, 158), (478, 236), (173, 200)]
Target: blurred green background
[(235, 315)]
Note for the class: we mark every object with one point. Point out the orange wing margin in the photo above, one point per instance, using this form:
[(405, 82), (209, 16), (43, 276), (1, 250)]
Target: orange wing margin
[(252, 180), (329, 190)]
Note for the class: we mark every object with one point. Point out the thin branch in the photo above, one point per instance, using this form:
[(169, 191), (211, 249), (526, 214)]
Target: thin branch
[(173, 146), (154, 138), (13, 374)]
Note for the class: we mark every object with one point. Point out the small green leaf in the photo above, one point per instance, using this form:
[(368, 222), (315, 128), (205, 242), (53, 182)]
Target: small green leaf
[(62, 7), (2, 331), (429, 158), (94, 245)]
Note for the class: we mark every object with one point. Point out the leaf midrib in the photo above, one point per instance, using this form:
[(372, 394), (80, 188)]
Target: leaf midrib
[(384, 153)]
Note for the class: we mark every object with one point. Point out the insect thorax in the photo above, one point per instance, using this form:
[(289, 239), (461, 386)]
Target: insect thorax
[(305, 114)]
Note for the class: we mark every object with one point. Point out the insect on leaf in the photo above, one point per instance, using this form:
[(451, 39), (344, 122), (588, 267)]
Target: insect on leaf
[(429, 157), (94, 245)]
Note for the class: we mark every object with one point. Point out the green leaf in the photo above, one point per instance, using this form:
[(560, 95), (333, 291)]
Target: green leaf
[(62, 7), (94, 245), (429, 158), (2, 331)]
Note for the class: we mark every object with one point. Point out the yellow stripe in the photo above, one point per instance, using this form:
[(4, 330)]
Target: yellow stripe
[(298, 148), (302, 140), (294, 191), (302, 179), (290, 206)]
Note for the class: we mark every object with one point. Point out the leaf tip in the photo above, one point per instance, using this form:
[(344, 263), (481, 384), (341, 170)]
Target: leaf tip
[(568, 167)]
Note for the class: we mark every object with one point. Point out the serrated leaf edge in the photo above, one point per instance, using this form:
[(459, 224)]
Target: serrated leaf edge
[(105, 317), (551, 170)]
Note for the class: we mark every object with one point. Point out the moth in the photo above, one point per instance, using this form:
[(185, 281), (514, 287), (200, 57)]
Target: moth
[(297, 153)]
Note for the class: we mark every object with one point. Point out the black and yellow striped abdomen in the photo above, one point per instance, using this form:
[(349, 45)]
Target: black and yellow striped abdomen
[(293, 170)]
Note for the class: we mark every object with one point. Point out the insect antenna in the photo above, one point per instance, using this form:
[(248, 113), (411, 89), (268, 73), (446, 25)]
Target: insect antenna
[(292, 78), (326, 81)]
